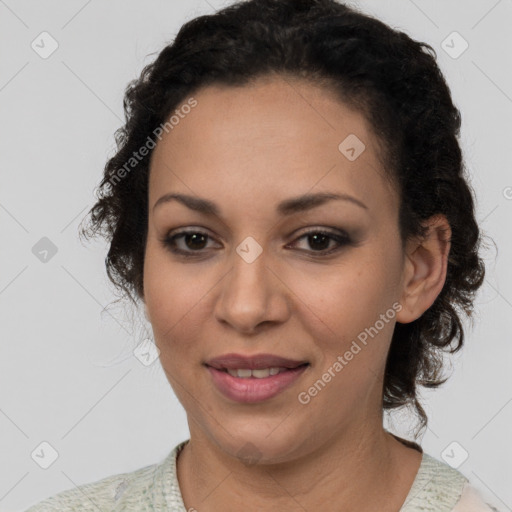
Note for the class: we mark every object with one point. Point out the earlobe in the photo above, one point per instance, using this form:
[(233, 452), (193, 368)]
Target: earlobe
[(425, 269)]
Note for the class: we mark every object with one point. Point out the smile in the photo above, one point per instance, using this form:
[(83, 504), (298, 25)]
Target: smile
[(251, 386)]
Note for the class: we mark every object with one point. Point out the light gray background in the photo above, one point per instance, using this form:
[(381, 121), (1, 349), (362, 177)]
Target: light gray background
[(68, 375)]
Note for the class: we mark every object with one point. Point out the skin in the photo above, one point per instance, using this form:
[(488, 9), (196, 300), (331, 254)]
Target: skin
[(248, 148)]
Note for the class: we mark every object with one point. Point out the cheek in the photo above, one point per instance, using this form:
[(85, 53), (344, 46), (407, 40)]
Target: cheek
[(342, 311), (346, 297), (173, 294), (342, 314)]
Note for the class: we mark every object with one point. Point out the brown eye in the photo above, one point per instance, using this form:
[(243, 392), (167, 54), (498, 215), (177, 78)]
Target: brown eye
[(194, 240), (320, 240), (194, 243), (187, 242)]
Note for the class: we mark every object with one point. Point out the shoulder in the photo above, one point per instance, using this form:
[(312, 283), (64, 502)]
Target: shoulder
[(437, 487), (440, 488), (99, 495), (471, 501), (146, 487)]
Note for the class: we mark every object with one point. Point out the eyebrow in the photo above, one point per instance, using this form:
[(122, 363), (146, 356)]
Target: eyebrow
[(286, 207)]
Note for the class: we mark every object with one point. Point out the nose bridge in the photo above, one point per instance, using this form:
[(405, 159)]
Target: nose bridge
[(250, 291)]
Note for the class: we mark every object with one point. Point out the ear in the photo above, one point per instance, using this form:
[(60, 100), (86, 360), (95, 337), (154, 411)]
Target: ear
[(425, 267)]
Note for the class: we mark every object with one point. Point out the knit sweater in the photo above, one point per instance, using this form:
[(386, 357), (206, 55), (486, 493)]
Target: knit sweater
[(437, 487)]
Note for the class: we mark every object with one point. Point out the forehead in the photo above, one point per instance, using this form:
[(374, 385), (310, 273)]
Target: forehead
[(272, 139)]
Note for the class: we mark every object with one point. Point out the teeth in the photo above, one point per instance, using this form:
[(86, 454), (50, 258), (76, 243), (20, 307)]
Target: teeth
[(246, 373)]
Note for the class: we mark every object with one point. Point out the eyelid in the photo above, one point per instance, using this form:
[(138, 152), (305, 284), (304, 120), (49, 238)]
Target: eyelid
[(331, 231), (180, 232), (299, 232), (341, 237)]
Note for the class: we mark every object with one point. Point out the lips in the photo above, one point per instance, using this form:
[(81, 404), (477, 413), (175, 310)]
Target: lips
[(254, 362), (254, 390)]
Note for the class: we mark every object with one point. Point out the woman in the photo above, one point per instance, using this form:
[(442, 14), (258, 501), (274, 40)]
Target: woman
[(289, 203)]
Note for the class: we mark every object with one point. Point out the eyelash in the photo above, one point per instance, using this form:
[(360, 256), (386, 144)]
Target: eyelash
[(341, 238)]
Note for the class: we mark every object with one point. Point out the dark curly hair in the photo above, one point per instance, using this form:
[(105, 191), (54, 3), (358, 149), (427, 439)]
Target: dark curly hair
[(393, 80)]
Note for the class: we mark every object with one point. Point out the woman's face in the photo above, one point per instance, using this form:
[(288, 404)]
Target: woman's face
[(255, 282)]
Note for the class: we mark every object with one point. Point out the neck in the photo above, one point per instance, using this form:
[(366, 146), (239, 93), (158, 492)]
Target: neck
[(355, 470)]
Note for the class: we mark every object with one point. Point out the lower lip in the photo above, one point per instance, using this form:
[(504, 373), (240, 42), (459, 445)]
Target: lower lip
[(252, 389)]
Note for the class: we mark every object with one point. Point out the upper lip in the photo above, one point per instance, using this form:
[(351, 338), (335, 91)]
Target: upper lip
[(254, 362)]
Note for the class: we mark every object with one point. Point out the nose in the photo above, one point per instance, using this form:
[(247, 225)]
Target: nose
[(252, 296)]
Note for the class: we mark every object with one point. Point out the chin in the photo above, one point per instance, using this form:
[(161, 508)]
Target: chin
[(257, 445)]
